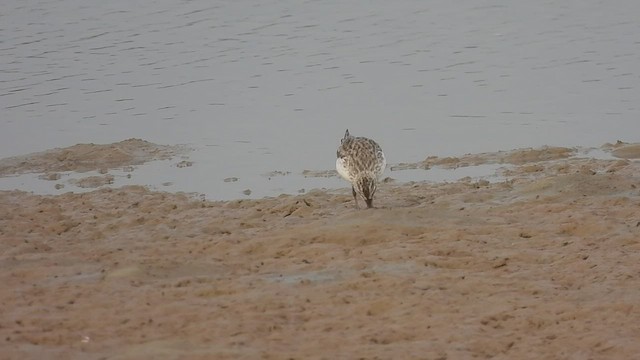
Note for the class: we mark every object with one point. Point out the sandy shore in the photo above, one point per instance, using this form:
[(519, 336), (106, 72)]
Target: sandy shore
[(544, 265)]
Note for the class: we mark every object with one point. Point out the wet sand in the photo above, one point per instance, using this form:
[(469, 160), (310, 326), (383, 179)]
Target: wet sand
[(88, 157), (544, 265)]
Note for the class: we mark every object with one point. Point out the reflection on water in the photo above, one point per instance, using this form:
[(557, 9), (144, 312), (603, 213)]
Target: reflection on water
[(258, 86)]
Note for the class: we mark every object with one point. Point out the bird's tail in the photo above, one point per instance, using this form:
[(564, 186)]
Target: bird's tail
[(346, 136)]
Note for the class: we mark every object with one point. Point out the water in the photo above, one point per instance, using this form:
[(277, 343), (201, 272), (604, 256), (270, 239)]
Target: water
[(263, 86)]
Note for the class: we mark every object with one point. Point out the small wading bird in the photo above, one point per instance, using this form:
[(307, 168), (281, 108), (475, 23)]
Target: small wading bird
[(361, 162)]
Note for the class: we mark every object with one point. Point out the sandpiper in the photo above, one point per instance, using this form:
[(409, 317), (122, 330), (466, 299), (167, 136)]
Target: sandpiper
[(361, 162)]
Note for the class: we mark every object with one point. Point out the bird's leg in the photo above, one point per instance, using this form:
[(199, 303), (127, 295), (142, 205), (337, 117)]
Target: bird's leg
[(353, 191)]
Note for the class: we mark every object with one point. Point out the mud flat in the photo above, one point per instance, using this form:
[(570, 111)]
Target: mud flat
[(88, 157), (542, 265)]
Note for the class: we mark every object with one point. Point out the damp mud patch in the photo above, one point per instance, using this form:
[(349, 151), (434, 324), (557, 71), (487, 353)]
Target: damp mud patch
[(89, 157)]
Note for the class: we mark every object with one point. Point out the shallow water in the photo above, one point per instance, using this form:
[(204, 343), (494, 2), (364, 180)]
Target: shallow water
[(263, 86)]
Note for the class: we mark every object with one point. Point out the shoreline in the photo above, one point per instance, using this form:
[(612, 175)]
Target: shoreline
[(174, 168), (543, 264)]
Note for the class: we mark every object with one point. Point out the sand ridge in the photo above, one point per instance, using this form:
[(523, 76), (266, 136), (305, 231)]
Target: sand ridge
[(89, 157), (543, 265)]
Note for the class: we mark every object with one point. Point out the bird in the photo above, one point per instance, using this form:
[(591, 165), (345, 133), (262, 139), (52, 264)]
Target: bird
[(362, 163)]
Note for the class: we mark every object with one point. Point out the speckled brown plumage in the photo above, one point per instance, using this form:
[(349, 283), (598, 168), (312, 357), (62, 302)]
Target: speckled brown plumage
[(361, 162)]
